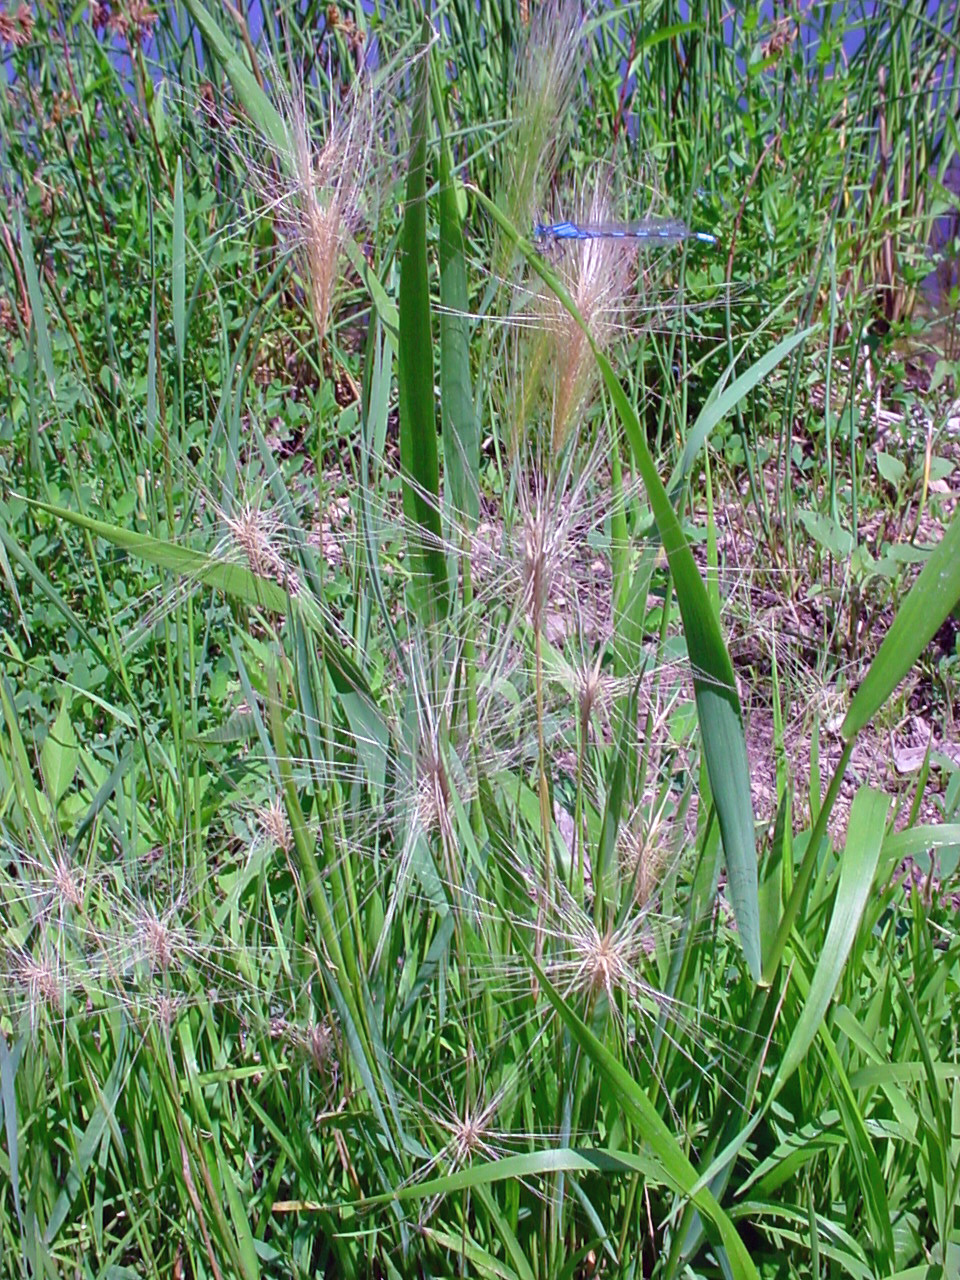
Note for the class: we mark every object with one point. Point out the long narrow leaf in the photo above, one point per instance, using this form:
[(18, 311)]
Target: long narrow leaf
[(255, 101), (868, 817), (715, 410), (418, 423), (458, 416), (234, 580), (920, 617), (36, 305), (9, 1061), (179, 263)]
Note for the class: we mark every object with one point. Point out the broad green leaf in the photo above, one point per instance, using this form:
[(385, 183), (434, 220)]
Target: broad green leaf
[(9, 1061), (929, 602), (913, 841), (59, 756), (898, 1073), (858, 867), (890, 468), (419, 463), (827, 533), (460, 426)]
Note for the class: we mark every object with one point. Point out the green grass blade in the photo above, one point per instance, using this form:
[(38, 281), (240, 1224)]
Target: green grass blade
[(152, 400), (458, 416), (716, 409), (238, 1215), (179, 263), (531, 1164), (102, 1116), (256, 102), (939, 1108), (9, 1061), (234, 580), (921, 615), (718, 706), (36, 305), (482, 1262), (916, 840), (418, 425), (511, 1244), (858, 867), (869, 1173)]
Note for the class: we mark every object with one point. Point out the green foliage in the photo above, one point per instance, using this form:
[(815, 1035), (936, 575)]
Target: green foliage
[(380, 884)]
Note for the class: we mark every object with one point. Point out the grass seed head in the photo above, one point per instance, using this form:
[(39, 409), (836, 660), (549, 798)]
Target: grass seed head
[(544, 90), (554, 510), (317, 1043), (433, 796), (643, 856), (590, 687), (42, 981), (159, 943), (319, 185), (16, 26), (598, 274), (66, 883), (253, 530), (330, 184), (322, 1046), (537, 565), (274, 828), (601, 959)]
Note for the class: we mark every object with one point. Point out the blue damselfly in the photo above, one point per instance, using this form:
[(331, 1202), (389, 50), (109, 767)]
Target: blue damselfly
[(656, 230)]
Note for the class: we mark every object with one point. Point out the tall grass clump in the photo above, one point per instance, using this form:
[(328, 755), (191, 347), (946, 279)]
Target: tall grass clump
[(382, 886)]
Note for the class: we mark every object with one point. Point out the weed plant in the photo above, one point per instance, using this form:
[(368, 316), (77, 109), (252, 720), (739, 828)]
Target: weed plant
[(381, 886)]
